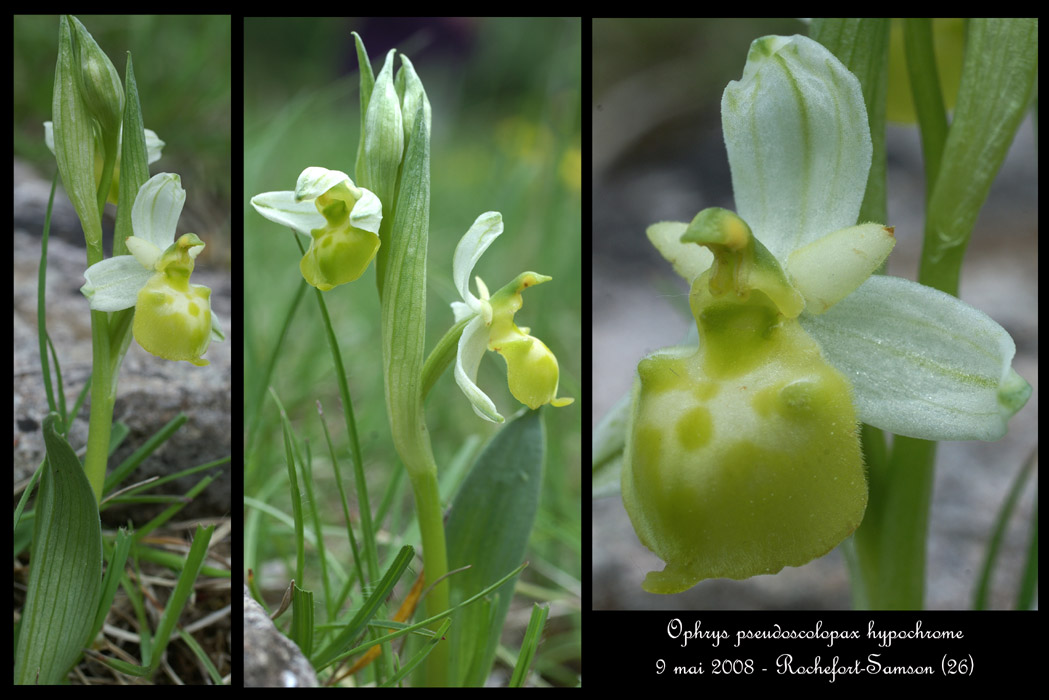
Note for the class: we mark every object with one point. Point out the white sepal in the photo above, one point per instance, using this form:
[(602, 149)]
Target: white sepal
[(113, 284), (157, 208), (922, 363), (282, 208), (798, 142), (485, 229)]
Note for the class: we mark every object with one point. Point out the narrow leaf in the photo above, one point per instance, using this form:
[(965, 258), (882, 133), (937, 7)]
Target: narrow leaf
[(134, 161), (529, 645), (357, 625)]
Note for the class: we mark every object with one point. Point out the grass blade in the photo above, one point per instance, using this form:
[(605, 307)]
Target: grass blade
[(529, 645)]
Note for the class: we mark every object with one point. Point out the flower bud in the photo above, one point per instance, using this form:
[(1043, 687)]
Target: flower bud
[(99, 81), (383, 145)]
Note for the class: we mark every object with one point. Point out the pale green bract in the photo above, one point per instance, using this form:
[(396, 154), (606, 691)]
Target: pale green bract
[(743, 454)]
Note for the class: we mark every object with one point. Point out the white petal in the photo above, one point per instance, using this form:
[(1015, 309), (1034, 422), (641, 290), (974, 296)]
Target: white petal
[(485, 229), (157, 208), (281, 208), (145, 252), (922, 363), (830, 268), (367, 212), (113, 284), (472, 345), (798, 142)]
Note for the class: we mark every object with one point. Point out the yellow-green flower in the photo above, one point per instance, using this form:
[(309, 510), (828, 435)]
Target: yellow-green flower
[(532, 369), (342, 220), (173, 318)]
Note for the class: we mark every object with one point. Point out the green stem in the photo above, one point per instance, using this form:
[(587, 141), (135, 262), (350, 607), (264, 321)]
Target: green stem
[(103, 379), (103, 395), (435, 563)]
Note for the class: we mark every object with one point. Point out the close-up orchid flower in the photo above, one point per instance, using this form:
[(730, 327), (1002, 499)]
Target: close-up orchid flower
[(173, 318), (743, 454), (342, 220), (532, 370)]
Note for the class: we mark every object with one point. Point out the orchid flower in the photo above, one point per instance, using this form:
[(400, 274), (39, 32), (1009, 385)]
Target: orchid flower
[(744, 455), (342, 219), (532, 369), (173, 318)]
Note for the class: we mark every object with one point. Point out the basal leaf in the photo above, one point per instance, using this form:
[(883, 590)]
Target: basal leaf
[(488, 529), (65, 577)]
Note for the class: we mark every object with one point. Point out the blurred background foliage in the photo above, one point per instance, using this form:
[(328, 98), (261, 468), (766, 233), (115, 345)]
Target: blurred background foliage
[(182, 68), (505, 95)]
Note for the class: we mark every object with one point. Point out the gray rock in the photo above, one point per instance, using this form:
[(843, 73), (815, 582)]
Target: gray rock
[(270, 658)]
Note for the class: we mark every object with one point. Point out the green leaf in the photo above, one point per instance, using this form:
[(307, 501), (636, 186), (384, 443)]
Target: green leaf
[(488, 529), (65, 578), (998, 83), (153, 649), (862, 44)]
